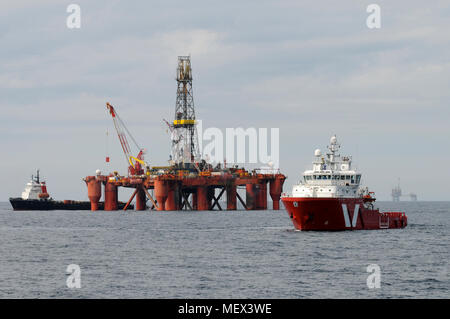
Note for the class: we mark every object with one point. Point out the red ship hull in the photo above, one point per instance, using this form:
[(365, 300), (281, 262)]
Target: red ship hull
[(333, 214)]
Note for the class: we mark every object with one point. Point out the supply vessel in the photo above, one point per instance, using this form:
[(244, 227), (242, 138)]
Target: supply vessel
[(36, 197), (329, 197)]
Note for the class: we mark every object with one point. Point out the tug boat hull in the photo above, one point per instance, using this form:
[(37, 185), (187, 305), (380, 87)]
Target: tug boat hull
[(50, 204), (336, 214)]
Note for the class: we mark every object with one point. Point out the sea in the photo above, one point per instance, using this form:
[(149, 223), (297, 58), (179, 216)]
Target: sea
[(220, 254)]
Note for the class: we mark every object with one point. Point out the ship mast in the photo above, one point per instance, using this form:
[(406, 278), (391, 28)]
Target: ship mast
[(37, 177), (334, 148)]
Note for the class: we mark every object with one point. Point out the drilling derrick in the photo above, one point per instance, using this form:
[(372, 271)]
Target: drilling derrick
[(185, 150)]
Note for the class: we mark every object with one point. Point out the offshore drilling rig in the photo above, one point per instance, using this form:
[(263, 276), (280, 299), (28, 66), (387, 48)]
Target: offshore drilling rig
[(189, 182), (397, 193)]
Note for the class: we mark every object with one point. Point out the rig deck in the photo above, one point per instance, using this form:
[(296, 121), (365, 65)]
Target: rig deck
[(182, 191)]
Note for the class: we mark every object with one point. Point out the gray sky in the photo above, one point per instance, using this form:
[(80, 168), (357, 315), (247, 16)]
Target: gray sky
[(310, 68)]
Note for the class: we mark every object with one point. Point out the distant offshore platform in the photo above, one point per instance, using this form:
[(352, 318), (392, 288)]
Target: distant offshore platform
[(397, 193)]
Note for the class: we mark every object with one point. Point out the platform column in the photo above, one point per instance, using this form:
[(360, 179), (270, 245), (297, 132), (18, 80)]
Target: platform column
[(262, 195), (110, 197), (94, 191), (141, 199), (276, 187), (172, 199), (177, 194), (202, 198), (231, 197), (161, 193), (250, 196)]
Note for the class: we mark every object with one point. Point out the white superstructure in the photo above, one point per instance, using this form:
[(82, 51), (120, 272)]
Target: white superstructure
[(32, 190), (35, 189), (332, 176)]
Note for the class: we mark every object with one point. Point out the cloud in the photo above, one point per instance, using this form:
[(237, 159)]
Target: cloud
[(312, 69)]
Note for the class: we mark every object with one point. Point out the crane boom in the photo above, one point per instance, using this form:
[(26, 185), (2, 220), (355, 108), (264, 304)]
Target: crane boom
[(135, 164)]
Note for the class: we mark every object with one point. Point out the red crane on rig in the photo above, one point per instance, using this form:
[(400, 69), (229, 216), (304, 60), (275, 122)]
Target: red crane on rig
[(135, 164)]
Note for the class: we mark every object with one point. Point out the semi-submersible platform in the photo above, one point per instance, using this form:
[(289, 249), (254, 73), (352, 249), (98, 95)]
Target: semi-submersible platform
[(189, 182)]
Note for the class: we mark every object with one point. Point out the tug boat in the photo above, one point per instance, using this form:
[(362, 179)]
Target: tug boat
[(36, 197), (329, 197)]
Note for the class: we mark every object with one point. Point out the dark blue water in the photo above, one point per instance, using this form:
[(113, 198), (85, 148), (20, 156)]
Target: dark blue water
[(219, 255)]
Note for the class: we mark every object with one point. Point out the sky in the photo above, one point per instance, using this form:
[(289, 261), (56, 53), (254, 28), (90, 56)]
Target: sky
[(310, 68)]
